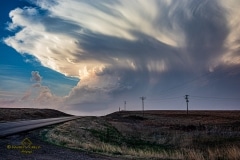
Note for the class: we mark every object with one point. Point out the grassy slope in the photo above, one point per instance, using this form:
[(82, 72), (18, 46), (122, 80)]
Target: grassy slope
[(13, 114), (159, 134)]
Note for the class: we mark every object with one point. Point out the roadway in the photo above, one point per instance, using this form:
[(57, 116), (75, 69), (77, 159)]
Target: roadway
[(10, 128)]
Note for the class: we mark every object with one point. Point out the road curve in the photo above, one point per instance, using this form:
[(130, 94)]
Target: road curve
[(10, 128)]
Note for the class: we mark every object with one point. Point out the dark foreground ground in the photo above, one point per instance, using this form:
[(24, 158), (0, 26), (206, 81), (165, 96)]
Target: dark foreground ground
[(131, 135), (43, 150), (10, 147)]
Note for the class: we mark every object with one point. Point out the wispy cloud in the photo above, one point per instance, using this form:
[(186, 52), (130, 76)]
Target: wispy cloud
[(36, 77), (9, 94), (36, 96)]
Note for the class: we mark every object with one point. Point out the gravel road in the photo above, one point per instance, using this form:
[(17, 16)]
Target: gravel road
[(41, 150)]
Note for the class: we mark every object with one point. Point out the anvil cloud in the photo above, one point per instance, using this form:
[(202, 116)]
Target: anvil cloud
[(125, 48)]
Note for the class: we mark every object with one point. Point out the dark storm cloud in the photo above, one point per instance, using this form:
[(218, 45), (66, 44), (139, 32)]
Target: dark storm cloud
[(144, 48), (206, 31), (129, 48)]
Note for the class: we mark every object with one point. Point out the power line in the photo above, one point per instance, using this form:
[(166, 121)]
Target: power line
[(185, 83), (163, 99), (217, 98), (198, 79)]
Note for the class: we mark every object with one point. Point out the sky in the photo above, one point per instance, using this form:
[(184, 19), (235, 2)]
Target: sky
[(87, 57)]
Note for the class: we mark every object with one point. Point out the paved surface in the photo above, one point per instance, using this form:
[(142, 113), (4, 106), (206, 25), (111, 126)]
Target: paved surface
[(10, 128)]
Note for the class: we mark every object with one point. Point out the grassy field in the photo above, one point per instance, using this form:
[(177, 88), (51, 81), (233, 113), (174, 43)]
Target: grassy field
[(16, 114), (158, 135)]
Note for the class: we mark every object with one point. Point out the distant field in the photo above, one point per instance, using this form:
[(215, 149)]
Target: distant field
[(14, 114), (156, 135)]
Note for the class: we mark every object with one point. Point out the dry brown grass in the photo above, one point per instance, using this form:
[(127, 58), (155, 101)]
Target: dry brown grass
[(159, 135), (231, 152), (101, 147), (14, 114)]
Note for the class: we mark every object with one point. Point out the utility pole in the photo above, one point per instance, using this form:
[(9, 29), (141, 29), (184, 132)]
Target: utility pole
[(125, 104), (186, 97), (143, 98)]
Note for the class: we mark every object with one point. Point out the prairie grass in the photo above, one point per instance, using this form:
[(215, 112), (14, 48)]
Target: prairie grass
[(231, 152), (155, 136), (110, 149)]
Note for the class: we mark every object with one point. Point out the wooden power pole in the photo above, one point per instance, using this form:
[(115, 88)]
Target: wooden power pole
[(125, 104), (186, 97), (143, 98)]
